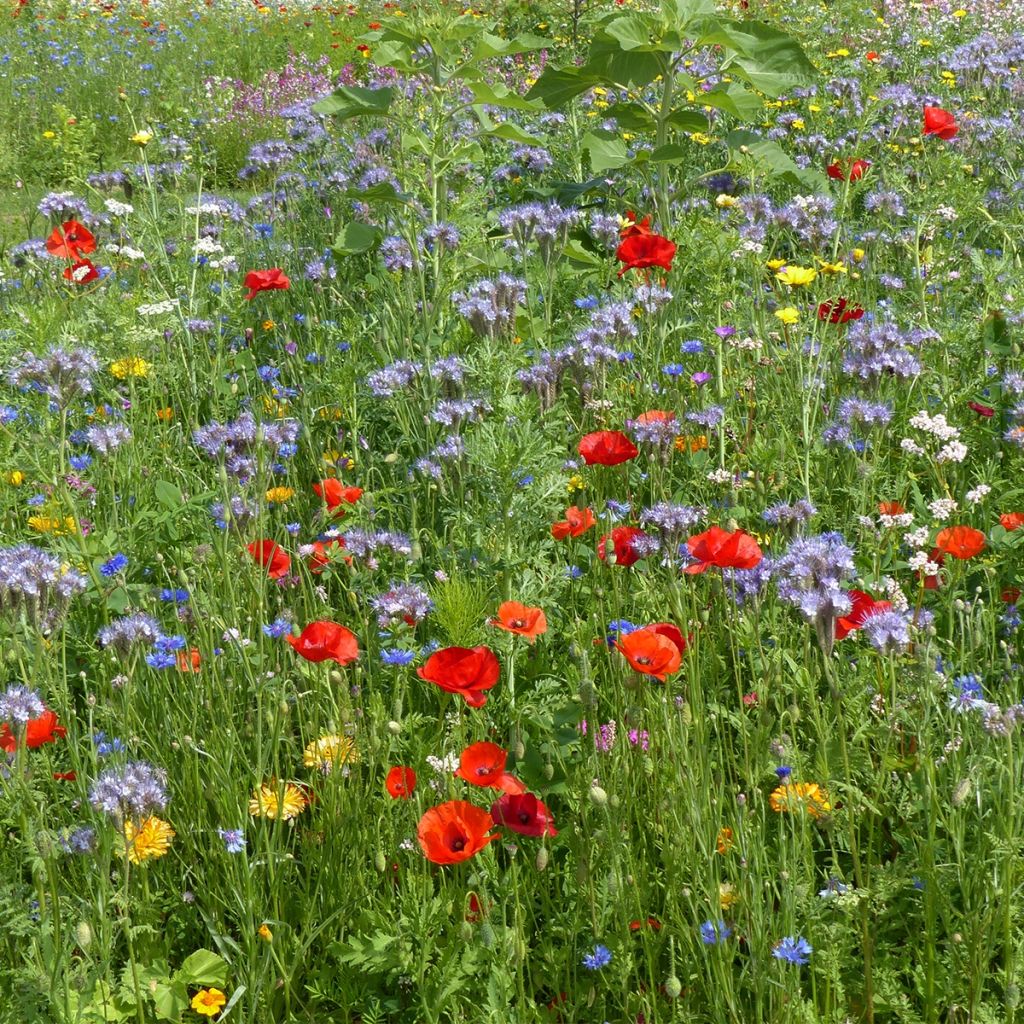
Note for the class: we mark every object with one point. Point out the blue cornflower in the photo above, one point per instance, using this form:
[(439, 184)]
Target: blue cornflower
[(794, 949), (674, 370), (174, 596), (166, 644), (160, 660), (619, 508), (574, 572), (116, 564), (105, 747), (783, 772), (79, 463), (233, 839), (36, 500), (293, 528), (692, 347), (713, 934), (263, 230), (278, 628), (601, 957), (587, 302), (618, 628), (395, 656)]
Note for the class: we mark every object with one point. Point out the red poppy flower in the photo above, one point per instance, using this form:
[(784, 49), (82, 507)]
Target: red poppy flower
[(1011, 521), (1011, 595), (736, 550), (643, 251), (932, 582), (43, 729), (650, 653), (467, 671), (190, 661), (939, 122), (476, 910), (272, 557), (453, 832), (652, 922), (671, 631), (320, 558), (864, 606), (961, 542), (634, 226), (514, 617), (65, 776), (839, 311), (577, 521), (624, 548), (656, 416), (335, 494), (853, 171), (981, 410), (871, 55), (483, 764), (400, 783), (890, 508), (71, 241), (326, 641), (525, 814), (80, 272), (606, 448), (265, 281)]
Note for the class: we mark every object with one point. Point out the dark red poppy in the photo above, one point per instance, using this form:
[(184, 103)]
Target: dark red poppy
[(335, 495), (939, 122), (606, 448), (525, 814), (961, 542), (577, 521), (641, 252), (71, 241), (864, 605), (1011, 595), (871, 55), (271, 556), (839, 311), (453, 832), (400, 783), (258, 281), (635, 227), (80, 272), (43, 729), (467, 671), (1011, 521), (483, 764), (325, 641), (852, 171), (736, 550), (623, 540), (672, 632), (65, 776), (981, 410)]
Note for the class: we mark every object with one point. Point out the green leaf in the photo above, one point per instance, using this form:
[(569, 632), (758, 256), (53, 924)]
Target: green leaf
[(733, 99), (682, 12), (495, 94), (167, 494), (688, 120), (385, 192), (575, 253), (607, 151), (631, 31), (356, 238), (203, 967), (772, 159), (513, 133), (495, 46), (354, 101), (631, 117), (668, 154), (118, 600), (557, 86), (771, 61), (995, 334), (170, 999)]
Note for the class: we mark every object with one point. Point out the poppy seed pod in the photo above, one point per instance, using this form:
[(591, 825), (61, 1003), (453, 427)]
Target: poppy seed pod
[(598, 796), (379, 861), (673, 987), (542, 858)]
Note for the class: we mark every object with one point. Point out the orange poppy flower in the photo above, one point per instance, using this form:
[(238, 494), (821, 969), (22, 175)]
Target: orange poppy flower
[(43, 729), (577, 521), (326, 641), (863, 607), (672, 632), (961, 542), (467, 671), (335, 495), (400, 783), (736, 550), (890, 508), (1011, 521), (71, 241), (272, 557), (190, 661), (656, 416), (454, 831), (514, 617), (483, 764), (606, 448), (650, 653)]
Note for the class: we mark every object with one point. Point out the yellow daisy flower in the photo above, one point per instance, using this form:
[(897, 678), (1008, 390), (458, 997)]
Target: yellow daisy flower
[(130, 366), (147, 841), (269, 800), (800, 796), (208, 1002), (796, 277), (328, 752), (279, 495), (788, 316)]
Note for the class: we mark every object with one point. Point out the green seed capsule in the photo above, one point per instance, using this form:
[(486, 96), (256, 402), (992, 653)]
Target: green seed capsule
[(542, 858), (673, 987), (380, 861), (598, 796)]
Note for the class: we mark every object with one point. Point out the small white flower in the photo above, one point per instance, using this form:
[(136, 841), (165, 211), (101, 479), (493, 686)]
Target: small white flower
[(720, 476), (916, 538), (942, 508), (117, 208), (955, 451), (978, 493), (911, 446)]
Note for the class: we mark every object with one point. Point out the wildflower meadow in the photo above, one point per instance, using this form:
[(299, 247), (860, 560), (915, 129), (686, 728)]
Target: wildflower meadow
[(512, 513)]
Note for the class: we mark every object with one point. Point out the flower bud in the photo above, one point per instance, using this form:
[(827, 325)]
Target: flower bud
[(542, 858), (83, 934), (394, 727), (673, 987), (598, 796)]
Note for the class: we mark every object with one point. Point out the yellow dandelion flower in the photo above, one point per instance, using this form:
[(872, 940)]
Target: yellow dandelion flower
[(208, 1002), (797, 796), (576, 483), (700, 138), (142, 138), (796, 277), (268, 325), (147, 841), (858, 254), (270, 800), (53, 525), (130, 366), (328, 752), (841, 52), (265, 933), (725, 202), (775, 264), (831, 268), (15, 478), (727, 895), (788, 316), (279, 495), (49, 135), (960, 13)]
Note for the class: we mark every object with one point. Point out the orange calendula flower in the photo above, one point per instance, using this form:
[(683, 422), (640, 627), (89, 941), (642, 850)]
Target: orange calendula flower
[(800, 796), (514, 617), (208, 1002), (148, 840), (723, 844)]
